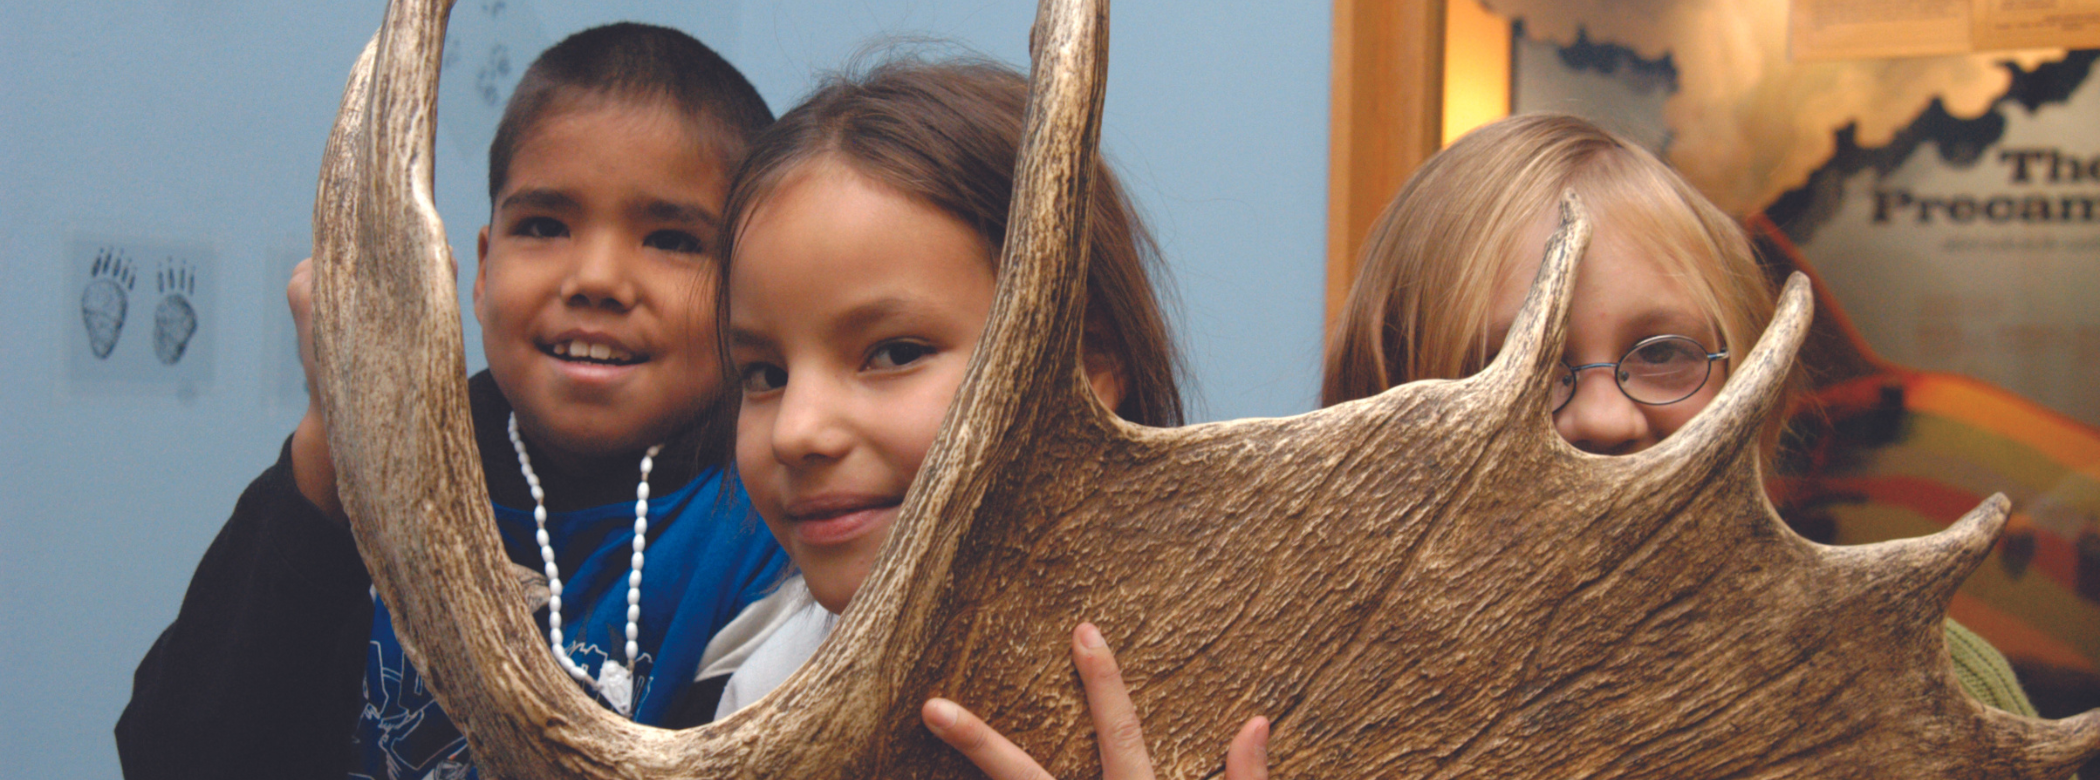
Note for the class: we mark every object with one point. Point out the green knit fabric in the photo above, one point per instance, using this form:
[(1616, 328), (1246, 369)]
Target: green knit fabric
[(1983, 671)]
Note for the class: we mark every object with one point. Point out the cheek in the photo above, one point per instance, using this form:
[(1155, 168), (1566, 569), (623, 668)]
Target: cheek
[(1665, 420), (917, 421), (754, 461), (499, 304), (695, 296), (513, 297), (695, 367), (688, 305), (506, 318)]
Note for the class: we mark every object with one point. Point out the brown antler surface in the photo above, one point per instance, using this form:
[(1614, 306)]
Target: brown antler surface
[(1428, 583)]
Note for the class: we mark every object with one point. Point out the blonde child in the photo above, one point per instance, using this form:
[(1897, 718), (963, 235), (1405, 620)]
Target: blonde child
[(606, 181), (1667, 293), (864, 232)]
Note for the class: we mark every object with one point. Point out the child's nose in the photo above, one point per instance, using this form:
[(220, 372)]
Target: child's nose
[(809, 426), (601, 277), (1601, 419)]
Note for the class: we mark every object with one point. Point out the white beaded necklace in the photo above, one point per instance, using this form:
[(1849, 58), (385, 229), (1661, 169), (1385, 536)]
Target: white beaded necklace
[(615, 680)]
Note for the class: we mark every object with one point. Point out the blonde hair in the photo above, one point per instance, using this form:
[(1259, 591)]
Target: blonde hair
[(1421, 305)]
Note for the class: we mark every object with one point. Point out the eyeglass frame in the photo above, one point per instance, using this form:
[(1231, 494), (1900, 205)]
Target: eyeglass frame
[(1575, 372)]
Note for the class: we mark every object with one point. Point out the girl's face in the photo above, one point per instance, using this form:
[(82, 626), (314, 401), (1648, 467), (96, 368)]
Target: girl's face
[(1622, 296), (853, 312)]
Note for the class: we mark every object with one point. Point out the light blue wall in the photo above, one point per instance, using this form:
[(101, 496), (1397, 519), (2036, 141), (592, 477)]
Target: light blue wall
[(198, 126)]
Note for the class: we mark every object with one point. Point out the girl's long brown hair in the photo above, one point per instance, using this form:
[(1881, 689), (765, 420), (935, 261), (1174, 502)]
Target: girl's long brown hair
[(948, 133)]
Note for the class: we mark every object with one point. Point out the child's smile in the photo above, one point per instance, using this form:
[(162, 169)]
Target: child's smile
[(594, 286), (594, 362), (834, 518), (592, 348), (853, 313)]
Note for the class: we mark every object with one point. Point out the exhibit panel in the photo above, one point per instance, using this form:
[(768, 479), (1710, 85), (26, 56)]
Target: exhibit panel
[(1943, 199)]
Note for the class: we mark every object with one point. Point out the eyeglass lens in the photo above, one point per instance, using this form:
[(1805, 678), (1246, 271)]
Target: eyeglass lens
[(1660, 370)]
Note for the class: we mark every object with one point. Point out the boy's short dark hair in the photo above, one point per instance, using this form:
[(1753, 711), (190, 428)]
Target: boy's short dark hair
[(640, 63)]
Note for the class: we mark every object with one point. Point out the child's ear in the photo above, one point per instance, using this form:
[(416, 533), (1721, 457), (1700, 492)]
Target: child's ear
[(481, 272), (1104, 373)]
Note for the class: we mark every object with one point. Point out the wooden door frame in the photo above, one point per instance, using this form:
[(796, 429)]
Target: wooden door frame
[(1386, 118)]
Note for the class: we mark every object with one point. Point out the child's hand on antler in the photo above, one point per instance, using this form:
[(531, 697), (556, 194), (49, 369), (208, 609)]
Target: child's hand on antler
[(312, 466), (1116, 726)]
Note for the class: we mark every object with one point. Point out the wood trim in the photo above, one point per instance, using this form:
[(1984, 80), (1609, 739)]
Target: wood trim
[(1387, 117), (1478, 58)]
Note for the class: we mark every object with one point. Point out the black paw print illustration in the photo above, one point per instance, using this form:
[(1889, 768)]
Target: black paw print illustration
[(175, 320), (105, 299)]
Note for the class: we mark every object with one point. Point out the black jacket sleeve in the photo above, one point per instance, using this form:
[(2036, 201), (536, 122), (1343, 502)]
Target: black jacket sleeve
[(261, 672)]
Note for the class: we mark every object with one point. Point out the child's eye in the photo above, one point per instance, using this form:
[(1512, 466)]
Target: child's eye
[(897, 354), (762, 378), (1674, 351), (539, 227), (675, 241)]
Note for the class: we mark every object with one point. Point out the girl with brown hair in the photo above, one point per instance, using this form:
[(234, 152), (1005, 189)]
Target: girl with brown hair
[(863, 236)]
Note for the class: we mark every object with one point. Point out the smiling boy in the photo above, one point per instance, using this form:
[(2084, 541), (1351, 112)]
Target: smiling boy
[(597, 422)]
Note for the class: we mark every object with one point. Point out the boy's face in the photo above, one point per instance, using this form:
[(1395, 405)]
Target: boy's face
[(595, 286)]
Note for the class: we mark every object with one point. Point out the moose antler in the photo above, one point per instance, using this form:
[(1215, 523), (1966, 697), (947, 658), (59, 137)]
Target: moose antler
[(1427, 583)]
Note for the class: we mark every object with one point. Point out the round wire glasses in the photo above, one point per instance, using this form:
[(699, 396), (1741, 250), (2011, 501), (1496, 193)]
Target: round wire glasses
[(1657, 370)]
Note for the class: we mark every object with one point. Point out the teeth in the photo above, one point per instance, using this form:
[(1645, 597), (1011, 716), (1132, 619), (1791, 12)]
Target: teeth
[(580, 349)]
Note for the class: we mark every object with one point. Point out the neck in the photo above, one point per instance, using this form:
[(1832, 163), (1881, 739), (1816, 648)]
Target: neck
[(560, 466), (574, 481), (571, 480)]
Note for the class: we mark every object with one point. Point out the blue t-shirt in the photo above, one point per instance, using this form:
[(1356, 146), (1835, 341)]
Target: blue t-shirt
[(708, 556)]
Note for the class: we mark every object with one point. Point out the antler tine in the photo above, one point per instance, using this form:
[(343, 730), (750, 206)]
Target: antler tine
[(1034, 329), (1729, 424), (1926, 570), (334, 200), (2068, 743), (1918, 577), (1516, 379)]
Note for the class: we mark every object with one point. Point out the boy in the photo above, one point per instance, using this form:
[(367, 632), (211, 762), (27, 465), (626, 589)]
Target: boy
[(606, 179)]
